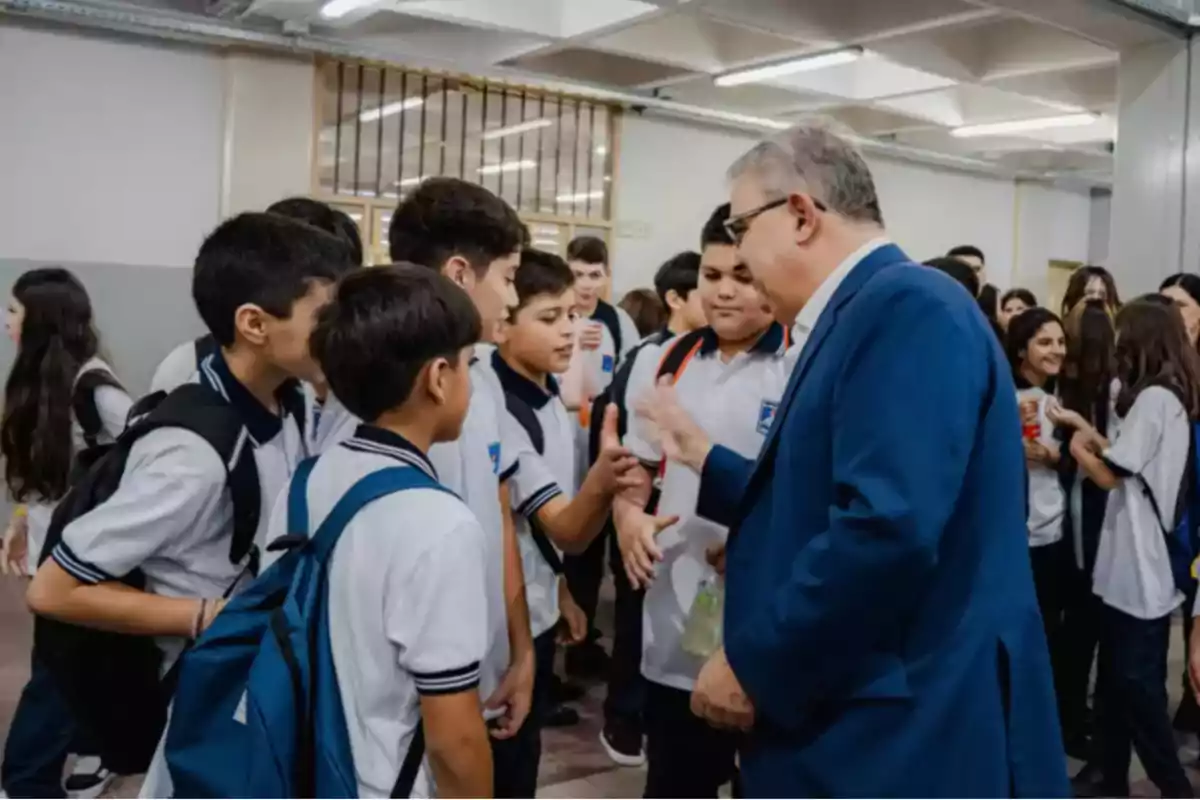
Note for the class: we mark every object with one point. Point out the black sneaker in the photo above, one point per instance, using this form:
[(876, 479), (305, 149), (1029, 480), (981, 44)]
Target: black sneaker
[(587, 660), (88, 779), (623, 744), (561, 716), (563, 692)]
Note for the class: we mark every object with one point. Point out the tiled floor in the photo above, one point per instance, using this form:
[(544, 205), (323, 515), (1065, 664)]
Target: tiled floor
[(574, 764)]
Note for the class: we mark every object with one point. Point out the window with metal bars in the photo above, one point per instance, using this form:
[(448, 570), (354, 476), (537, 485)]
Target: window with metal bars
[(382, 130)]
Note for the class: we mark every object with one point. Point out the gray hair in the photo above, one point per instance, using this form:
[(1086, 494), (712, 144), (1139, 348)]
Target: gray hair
[(816, 157)]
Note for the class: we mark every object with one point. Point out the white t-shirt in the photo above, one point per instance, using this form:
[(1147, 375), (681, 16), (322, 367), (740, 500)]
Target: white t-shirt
[(538, 480), (1047, 501), (112, 404), (734, 402), (1133, 568), (408, 602)]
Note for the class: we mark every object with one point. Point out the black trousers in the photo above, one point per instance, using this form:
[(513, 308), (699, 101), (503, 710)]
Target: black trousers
[(626, 686), (1079, 638), (1050, 580), (686, 756), (1133, 708), (515, 761), (1187, 716), (585, 573)]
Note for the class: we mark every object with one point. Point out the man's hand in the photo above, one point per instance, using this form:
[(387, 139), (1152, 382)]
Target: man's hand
[(514, 695), (719, 698), (591, 336), (13, 560), (616, 468), (573, 627), (715, 556), (636, 534), (682, 439)]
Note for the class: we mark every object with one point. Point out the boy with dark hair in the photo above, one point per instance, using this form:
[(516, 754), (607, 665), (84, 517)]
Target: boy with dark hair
[(550, 514), (730, 375), (474, 238), (675, 283), (605, 336), (181, 363), (408, 600), (258, 284)]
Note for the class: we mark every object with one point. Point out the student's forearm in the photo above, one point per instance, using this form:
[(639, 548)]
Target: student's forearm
[(109, 606), (573, 525), (460, 757), (520, 634), (1094, 467)]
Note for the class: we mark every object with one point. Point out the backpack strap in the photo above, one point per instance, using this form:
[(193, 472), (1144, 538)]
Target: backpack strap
[(368, 489), (412, 764), (200, 409), (83, 403), (676, 359), (606, 313), (527, 417), (615, 393)]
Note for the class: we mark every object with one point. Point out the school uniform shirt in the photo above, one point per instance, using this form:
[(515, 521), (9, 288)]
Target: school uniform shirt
[(1133, 568), (112, 404), (408, 601), (172, 515), (538, 480), (734, 402), (178, 368), (472, 467), (1047, 501)]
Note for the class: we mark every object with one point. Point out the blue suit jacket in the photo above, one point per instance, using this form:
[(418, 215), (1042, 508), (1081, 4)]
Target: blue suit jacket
[(880, 609)]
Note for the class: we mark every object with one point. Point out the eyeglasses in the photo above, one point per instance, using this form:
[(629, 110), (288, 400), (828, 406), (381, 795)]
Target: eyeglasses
[(737, 227)]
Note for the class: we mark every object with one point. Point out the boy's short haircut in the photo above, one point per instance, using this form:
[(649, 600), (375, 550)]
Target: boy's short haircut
[(714, 230), (680, 273), (589, 250), (265, 259), (541, 273), (382, 327), (323, 216), (967, 251), (446, 217)]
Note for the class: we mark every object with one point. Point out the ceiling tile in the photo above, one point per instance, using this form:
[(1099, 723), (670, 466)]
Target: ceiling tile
[(1093, 88), (868, 121), (750, 98), (870, 77), (833, 21), (591, 65), (963, 105)]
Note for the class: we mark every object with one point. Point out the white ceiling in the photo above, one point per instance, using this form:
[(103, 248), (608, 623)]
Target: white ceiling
[(928, 66)]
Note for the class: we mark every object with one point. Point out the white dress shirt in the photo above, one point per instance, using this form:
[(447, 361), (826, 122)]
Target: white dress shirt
[(807, 319)]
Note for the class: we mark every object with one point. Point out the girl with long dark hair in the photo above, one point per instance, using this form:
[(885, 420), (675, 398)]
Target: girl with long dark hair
[(1085, 388), (1037, 348), (1142, 464), (1013, 303), (60, 399), (1091, 283)]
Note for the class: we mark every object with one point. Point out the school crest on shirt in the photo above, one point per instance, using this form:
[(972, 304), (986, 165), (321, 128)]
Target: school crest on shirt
[(606, 363), (494, 454), (766, 415)]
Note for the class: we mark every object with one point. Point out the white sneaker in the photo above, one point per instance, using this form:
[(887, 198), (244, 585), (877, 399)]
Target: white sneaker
[(88, 779)]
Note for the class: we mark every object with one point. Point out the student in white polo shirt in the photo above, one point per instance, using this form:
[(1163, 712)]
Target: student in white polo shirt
[(408, 593), (606, 335), (1036, 345), (551, 515), (473, 238), (730, 376), (1145, 466), (259, 280)]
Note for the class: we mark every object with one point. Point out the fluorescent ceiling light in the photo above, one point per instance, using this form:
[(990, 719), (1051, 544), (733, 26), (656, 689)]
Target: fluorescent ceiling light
[(582, 197), (520, 127), (340, 8), (777, 69), (373, 114), (601, 150), (1024, 125), (507, 166)]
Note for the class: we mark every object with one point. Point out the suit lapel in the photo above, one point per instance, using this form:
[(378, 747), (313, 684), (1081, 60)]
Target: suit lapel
[(885, 256)]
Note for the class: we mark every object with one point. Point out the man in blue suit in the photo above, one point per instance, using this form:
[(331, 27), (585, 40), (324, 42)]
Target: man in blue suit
[(882, 636)]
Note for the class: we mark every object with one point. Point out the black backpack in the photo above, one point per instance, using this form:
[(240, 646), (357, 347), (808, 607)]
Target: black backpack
[(87, 414), (615, 393), (606, 314), (112, 682)]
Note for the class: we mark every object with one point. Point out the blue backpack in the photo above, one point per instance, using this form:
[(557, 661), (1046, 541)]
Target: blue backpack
[(1183, 537), (258, 712)]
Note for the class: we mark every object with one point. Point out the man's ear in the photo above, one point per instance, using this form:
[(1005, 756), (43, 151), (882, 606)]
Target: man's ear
[(808, 219), (250, 322)]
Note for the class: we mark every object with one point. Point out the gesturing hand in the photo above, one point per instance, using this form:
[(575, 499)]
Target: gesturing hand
[(616, 468), (682, 439), (636, 533)]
